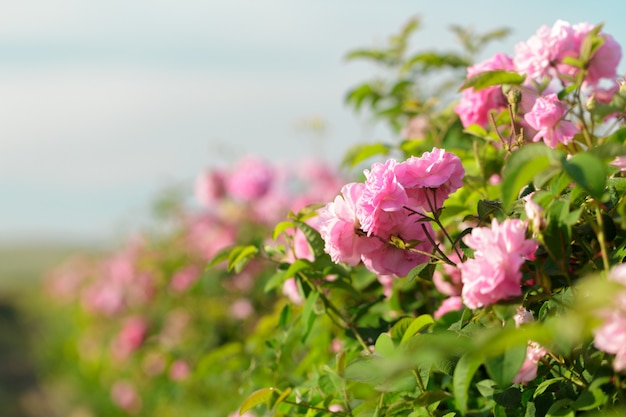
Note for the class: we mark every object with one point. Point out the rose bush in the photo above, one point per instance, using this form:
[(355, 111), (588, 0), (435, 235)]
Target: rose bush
[(475, 268)]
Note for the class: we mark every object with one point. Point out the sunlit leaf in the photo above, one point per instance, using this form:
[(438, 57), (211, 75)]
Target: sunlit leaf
[(490, 78), (257, 398)]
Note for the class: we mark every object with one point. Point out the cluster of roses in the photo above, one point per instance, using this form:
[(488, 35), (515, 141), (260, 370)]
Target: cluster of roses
[(139, 301), (378, 222), (550, 60), (367, 220)]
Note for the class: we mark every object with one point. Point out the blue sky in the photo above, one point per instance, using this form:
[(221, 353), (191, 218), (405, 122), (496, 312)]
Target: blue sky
[(104, 103)]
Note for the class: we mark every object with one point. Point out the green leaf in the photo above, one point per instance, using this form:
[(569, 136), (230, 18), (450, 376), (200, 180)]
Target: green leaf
[(587, 171), (281, 227), (308, 316), (297, 266), (491, 78), (384, 345), (313, 237), (503, 368), (463, 374), (589, 400), (240, 256), (400, 327), (416, 325), (522, 167), (561, 408), (511, 397), (256, 398), (360, 153), (541, 388)]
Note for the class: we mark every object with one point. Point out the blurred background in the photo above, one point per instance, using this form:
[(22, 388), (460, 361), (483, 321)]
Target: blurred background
[(104, 104)]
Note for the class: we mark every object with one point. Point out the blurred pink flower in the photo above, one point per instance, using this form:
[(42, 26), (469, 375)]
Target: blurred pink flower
[(241, 308), (494, 273), (415, 129), (449, 304), (290, 290), (528, 371), (179, 370), (125, 396), (185, 278), (605, 61), (610, 336), (210, 187), (546, 116), (130, 337), (251, 178), (451, 284)]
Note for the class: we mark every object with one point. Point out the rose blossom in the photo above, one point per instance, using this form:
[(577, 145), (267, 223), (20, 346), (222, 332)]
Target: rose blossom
[(380, 198), (449, 304), (534, 351), (536, 56), (610, 337), (546, 116), (451, 285), (130, 337), (339, 227), (431, 178), (125, 396), (528, 371), (388, 259), (494, 273), (290, 290), (604, 62), (250, 179), (474, 106), (210, 187)]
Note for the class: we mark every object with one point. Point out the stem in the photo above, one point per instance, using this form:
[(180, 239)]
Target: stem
[(600, 234), (312, 407), (345, 323)]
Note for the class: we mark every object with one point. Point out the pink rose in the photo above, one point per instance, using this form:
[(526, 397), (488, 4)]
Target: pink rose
[(494, 273), (290, 290), (451, 284), (179, 370), (449, 304), (604, 62), (610, 336), (388, 259), (546, 116), (250, 179), (210, 187), (130, 337), (185, 278), (528, 371), (125, 396), (380, 199), (339, 227), (474, 106), (537, 56), (431, 178)]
